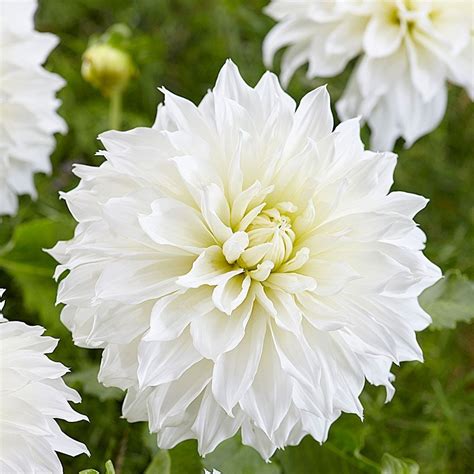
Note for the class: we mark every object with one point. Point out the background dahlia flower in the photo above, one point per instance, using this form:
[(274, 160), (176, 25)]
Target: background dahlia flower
[(408, 50), (32, 395), (243, 266), (28, 118)]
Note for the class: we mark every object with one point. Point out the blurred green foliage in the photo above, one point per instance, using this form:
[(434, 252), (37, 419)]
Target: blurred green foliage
[(182, 44)]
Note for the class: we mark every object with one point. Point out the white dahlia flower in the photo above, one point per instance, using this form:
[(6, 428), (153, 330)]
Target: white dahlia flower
[(408, 50), (28, 118), (32, 395), (243, 266), (2, 304)]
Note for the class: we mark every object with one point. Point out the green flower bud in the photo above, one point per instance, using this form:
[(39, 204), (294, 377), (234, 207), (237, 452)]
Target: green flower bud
[(107, 68)]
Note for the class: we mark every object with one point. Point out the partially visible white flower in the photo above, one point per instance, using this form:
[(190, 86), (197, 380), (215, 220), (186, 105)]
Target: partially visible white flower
[(28, 118), (2, 304), (214, 471), (32, 395), (408, 50), (244, 267)]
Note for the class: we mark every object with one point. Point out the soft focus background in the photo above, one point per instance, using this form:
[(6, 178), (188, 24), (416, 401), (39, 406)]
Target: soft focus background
[(182, 44)]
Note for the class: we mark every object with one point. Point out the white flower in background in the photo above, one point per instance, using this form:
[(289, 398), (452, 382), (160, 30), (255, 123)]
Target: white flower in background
[(32, 395), (408, 50), (2, 304), (28, 118), (243, 267)]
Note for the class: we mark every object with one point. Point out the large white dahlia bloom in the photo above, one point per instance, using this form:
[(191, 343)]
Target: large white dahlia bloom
[(244, 267), (32, 395), (408, 50), (28, 118)]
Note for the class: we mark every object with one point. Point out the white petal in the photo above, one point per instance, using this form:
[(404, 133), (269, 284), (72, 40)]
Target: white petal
[(346, 38), (427, 71), (404, 203), (216, 332), (272, 95), (230, 294), (140, 280), (291, 282), (163, 361), (268, 407), (288, 32), (118, 367), (294, 357), (421, 117), (235, 370), (263, 270), (255, 254), (186, 115), (216, 212), (120, 324), (173, 313), (256, 438), (210, 268), (383, 36), (234, 246), (174, 223), (213, 425), (230, 84), (172, 399), (300, 258), (293, 58), (322, 316), (313, 119), (288, 315)]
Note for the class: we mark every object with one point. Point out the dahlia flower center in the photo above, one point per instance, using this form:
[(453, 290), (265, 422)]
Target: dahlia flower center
[(399, 14), (270, 237)]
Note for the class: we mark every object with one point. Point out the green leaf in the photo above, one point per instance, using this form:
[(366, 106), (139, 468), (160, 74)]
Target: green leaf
[(349, 434), (160, 464), (149, 440), (310, 456), (25, 251), (32, 269), (109, 467), (450, 301), (185, 458), (232, 456), (393, 465), (87, 379)]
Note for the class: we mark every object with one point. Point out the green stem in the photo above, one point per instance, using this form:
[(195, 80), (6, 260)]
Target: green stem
[(358, 455), (115, 111), (356, 458)]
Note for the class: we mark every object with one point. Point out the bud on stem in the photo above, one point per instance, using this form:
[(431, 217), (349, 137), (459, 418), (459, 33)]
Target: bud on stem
[(108, 67)]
